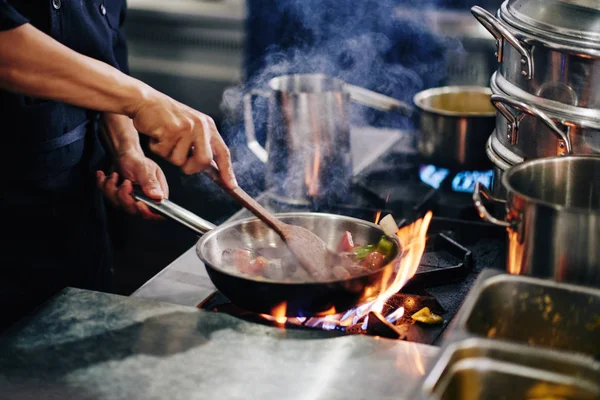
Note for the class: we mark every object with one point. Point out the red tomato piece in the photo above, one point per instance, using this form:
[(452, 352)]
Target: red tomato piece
[(373, 261), (346, 243), (259, 265), (242, 259)]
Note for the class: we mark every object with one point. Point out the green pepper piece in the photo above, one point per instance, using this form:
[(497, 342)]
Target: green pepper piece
[(362, 252), (385, 246)]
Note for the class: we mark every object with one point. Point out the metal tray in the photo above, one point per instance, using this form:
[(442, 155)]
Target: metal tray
[(517, 337), (472, 369), (531, 311)]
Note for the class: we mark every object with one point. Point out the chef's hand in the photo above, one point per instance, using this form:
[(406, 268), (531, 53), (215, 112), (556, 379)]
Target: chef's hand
[(133, 167), (183, 136)]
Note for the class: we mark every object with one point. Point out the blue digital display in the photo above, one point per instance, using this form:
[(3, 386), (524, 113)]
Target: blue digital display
[(462, 182)]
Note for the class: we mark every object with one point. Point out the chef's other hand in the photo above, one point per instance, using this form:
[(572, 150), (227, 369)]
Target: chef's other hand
[(183, 136), (134, 169)]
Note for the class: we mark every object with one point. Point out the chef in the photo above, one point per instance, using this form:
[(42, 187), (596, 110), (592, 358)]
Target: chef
[(65, 97)]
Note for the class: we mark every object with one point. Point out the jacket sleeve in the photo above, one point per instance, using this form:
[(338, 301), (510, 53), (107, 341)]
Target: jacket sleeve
[(120, 47), (9, 17)]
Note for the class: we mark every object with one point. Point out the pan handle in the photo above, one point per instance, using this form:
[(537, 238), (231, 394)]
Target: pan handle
[(177, 213), (377, 101)]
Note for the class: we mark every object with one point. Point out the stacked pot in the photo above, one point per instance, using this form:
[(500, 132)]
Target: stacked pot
[(546, 143), (547, 87)]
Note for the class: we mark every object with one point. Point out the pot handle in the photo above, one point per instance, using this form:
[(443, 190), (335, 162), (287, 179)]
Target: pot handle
[(377, 101), (177, 213), (480, 189), (252, 143), (501, 32), (501, 102)]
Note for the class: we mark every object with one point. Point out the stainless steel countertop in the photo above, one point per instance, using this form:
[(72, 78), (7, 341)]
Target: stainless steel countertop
[(89, 345), (186, 282)]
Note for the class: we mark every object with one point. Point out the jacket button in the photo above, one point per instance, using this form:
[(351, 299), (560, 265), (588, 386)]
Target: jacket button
[(56, 4), (102, 9)]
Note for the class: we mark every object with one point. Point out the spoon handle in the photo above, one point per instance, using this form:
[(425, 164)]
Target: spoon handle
[(247, 201)]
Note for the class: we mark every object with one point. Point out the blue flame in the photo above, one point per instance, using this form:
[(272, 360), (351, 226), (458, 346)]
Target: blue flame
[(461, 182)]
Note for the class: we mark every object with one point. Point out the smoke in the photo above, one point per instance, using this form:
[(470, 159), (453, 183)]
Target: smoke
[(362, 42)]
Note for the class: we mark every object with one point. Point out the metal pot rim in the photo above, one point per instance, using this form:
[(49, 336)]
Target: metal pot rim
[(517, 168), (565, 113), (419, 100), (337, 85), (563, 40)]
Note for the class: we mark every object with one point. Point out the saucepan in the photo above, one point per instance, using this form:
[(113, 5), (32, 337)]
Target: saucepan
[(552, 218), (291, 298), (455, 123), (308, 135)]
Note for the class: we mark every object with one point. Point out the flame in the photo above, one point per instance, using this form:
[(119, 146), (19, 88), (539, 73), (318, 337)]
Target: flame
[(329, 311), (377, 216), (277, 314), (412, 239), (396, 315)]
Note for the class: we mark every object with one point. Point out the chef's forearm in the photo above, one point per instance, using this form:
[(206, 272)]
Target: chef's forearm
[(120, 134), (35, 64)]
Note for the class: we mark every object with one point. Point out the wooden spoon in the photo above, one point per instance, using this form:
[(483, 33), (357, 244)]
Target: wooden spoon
[(310, 251)]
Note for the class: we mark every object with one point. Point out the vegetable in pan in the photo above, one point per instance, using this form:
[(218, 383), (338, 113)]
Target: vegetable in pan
[(279, 264)]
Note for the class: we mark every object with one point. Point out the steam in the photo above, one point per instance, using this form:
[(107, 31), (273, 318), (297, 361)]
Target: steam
[(360, 42)]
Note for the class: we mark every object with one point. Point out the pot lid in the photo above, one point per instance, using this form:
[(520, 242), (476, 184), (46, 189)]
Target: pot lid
[(575, 22)]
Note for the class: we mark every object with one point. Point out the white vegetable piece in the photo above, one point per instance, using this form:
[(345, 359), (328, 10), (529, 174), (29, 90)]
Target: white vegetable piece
[(388, 224)]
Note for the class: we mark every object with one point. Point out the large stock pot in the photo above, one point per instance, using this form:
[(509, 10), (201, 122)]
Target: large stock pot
[(552, 218), (549, 48)]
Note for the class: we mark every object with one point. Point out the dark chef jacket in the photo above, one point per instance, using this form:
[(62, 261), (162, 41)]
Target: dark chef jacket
[(54, 222)]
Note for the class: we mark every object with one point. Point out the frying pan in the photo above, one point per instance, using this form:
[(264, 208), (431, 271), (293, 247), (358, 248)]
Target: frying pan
[(302, 299)]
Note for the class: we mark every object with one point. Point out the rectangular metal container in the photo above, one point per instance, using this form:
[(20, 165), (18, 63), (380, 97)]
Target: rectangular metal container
[(533, 312), (473, 369), (517, 337)]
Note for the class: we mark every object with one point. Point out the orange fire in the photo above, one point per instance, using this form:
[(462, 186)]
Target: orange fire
[(412, 240), (277, 314), (377, 216)]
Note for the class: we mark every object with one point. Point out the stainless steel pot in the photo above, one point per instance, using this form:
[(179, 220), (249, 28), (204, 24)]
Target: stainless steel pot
[(548, 48), (552, 218), (502, 159), (455, 123), (532, 127), (308, 135)]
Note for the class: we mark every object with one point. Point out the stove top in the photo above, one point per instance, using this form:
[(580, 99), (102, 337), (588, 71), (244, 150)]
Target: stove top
[(459, 246)]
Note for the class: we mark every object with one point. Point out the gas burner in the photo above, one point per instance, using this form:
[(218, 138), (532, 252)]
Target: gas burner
[(394, 322)]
